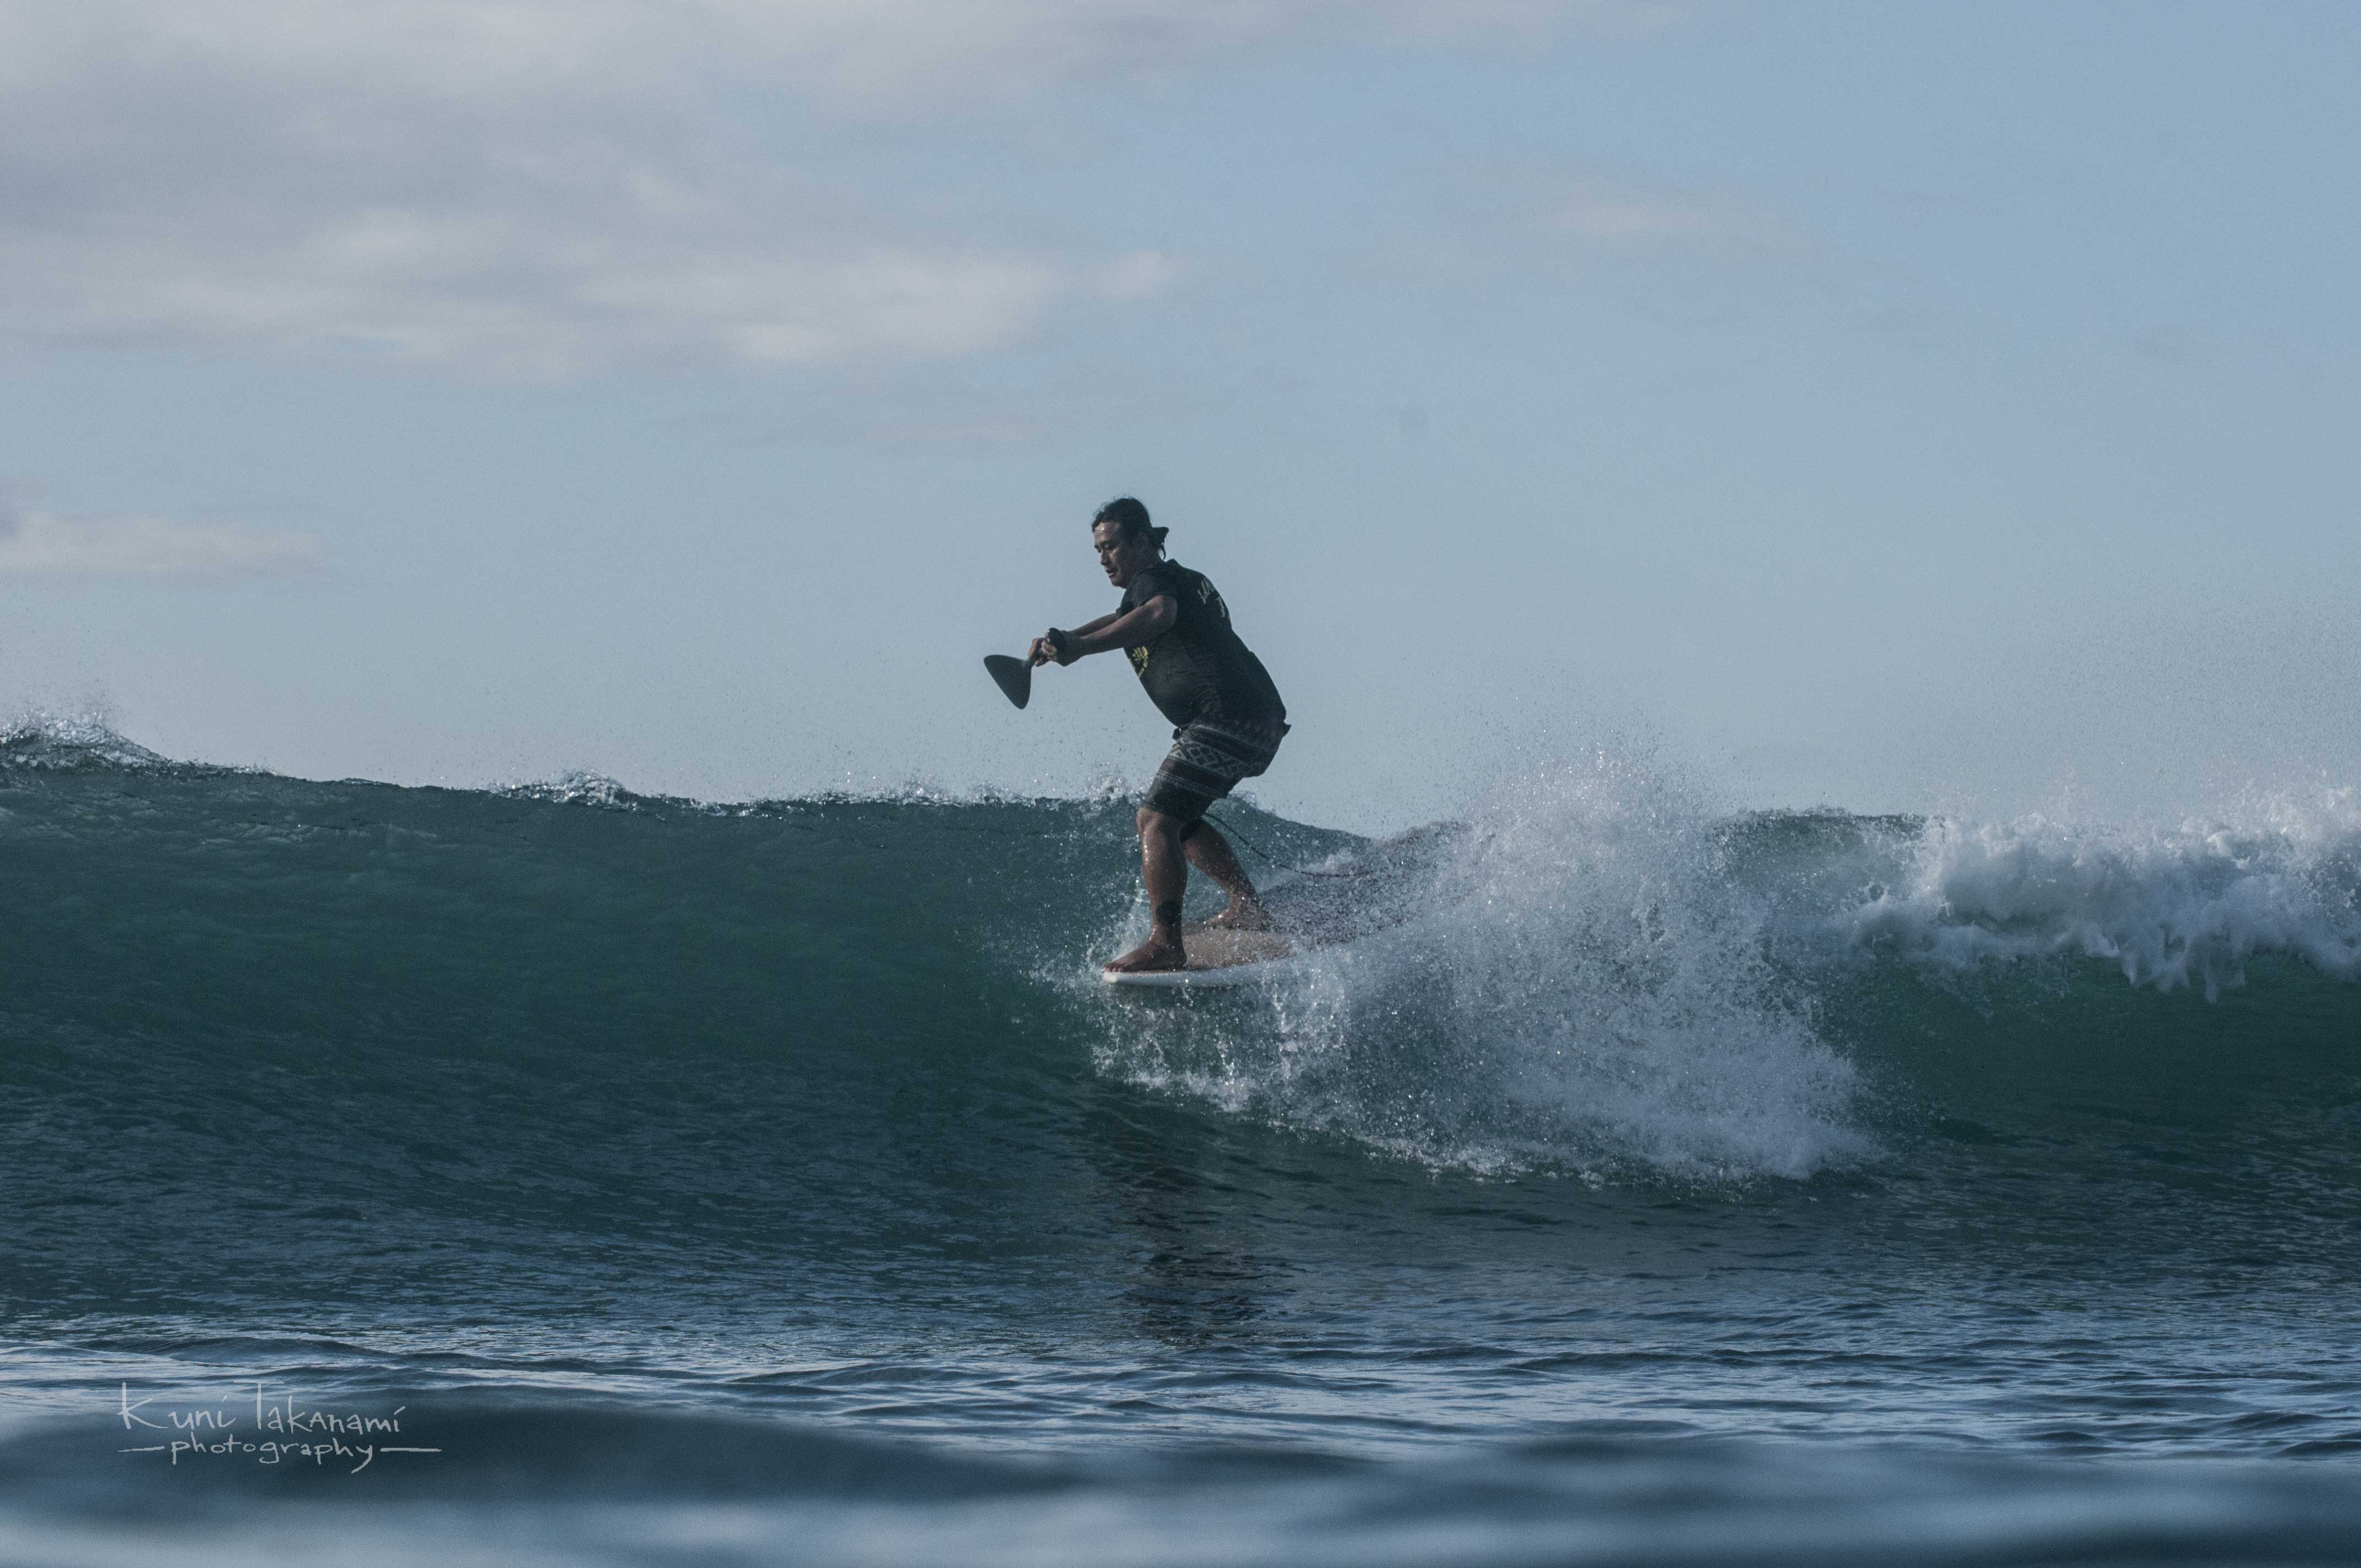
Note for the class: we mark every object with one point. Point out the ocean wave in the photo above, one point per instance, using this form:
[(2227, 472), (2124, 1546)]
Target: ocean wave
[(584, 787), (1590, 993), (1607, 977), (572, 1482), (55, 742), (2186, 905)]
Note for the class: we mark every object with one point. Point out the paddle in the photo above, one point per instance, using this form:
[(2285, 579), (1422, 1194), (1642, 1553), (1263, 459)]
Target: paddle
[(1015, 676)]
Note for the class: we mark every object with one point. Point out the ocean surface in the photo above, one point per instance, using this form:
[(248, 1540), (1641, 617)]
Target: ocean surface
[(561, 1175)]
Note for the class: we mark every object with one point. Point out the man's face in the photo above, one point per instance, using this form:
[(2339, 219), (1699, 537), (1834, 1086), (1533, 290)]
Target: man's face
[(1121, 558)]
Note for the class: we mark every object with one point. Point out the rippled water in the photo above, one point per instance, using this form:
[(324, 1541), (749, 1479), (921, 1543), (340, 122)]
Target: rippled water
[(722, 1184)]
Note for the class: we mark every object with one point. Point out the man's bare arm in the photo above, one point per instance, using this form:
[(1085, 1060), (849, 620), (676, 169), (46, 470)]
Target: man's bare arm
[(1133, 628)]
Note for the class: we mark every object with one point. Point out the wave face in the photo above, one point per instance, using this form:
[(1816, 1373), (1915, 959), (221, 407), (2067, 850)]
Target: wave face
[(1625, 1118)]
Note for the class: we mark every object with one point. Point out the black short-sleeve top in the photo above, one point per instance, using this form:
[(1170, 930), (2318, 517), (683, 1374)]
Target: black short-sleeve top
[(1199, 669)]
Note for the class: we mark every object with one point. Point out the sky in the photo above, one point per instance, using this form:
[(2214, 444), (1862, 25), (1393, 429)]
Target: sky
[(1902, 408)]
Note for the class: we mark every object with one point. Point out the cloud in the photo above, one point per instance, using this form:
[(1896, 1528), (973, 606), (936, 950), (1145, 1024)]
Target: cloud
[(500, 294), (499, 49), (540, 187), (42, 544)]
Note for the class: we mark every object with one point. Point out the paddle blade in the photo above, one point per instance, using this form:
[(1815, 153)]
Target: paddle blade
[(1015, 676)]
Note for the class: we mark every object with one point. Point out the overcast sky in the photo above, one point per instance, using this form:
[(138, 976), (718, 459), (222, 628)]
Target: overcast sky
[(1891, 406)]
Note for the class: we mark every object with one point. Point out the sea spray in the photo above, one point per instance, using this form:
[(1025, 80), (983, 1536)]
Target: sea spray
[(1588, 991), (56, 742), (2168, 905)]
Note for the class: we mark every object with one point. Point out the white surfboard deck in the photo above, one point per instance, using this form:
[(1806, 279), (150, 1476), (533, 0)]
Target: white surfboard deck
[(1218, 957), (1377, 887)]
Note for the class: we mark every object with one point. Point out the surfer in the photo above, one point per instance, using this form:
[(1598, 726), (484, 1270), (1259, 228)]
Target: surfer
[(1226, 715)]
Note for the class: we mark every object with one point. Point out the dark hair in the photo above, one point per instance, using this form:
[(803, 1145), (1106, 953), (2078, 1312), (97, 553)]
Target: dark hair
[(1130, 519)]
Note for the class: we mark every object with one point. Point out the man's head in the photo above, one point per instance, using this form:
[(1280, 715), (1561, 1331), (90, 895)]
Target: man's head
[(1126, 545)]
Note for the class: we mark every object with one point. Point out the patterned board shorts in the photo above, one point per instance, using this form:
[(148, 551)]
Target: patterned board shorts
[(1207, 760)]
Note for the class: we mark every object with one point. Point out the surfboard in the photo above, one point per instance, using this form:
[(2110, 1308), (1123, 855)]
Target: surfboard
[(1217, 957), (1374, 887)]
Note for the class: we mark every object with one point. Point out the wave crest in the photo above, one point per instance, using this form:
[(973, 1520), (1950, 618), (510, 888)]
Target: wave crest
[(2179, 907), (61, 743)]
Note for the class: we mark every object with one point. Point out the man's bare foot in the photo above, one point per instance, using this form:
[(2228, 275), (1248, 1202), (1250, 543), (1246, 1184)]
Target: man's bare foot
[(1151, 956), (1243, 915)]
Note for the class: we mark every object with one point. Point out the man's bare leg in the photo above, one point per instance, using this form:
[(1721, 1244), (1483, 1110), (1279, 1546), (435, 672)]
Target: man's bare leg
[(1210, 852), (1165, 869)]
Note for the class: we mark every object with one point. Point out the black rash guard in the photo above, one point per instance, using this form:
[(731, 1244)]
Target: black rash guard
[(1199, 669)]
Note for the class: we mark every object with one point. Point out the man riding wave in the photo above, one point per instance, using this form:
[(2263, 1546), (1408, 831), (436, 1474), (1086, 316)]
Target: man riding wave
[(1227, 716)]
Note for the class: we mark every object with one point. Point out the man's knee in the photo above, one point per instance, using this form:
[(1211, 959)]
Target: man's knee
[(1158, 825)]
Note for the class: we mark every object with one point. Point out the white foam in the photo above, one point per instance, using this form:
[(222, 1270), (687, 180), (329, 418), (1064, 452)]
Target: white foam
[(2175, 905), (38, 738), (576, 786), (1592, 995)]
